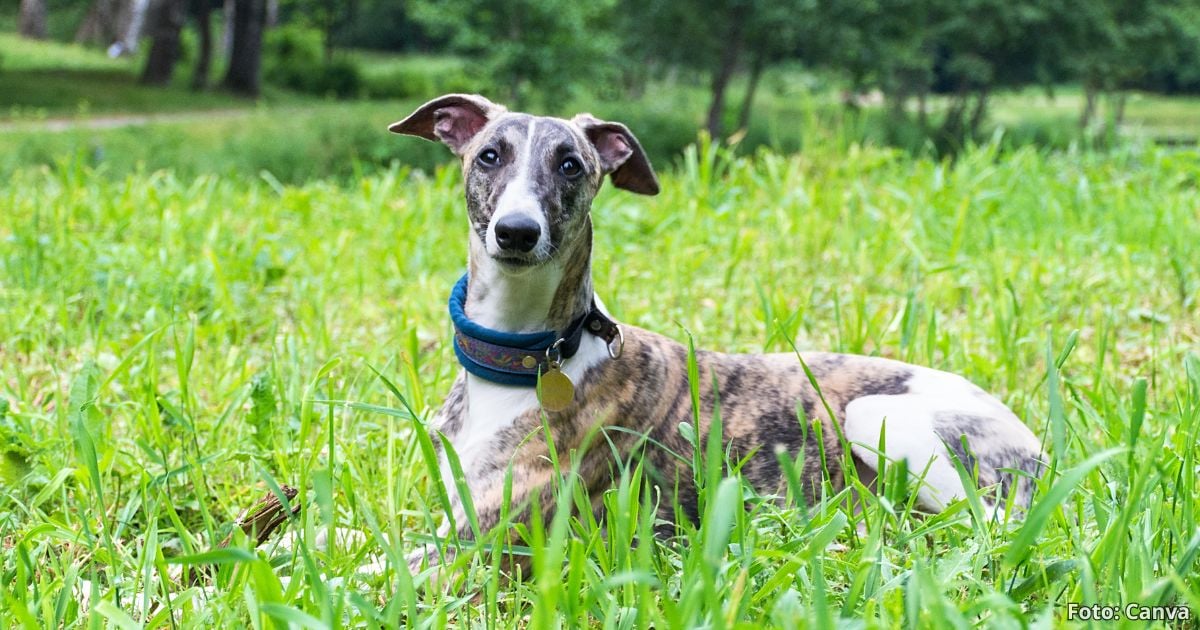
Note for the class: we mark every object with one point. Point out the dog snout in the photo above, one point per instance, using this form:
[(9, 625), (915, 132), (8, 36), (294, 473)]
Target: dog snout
[(517, 233)]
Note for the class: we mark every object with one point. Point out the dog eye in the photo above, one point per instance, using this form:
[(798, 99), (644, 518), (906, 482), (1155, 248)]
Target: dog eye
[(570, 168), (489, 157)]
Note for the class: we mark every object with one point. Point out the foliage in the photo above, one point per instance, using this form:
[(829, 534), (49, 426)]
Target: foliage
[(385, 25), (155, 326), (528, 49), (296, 140), (912, 48), (414, 76), (715, 37), (545, 52), (295, 59)]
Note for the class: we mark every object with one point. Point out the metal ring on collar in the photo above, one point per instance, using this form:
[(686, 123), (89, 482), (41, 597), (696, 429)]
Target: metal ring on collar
[(620, 341), (557, 358)]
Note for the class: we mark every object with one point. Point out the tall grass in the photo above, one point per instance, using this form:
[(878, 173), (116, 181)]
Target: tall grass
[(174, 348)]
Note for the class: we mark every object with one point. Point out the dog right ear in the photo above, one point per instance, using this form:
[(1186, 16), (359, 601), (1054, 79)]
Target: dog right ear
[(452, 119), (621, 155)]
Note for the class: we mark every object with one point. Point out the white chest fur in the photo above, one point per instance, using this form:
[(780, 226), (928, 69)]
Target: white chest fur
[(491, 407)]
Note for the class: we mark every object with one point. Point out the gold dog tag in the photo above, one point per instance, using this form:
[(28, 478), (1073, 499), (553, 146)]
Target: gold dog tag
[(558, 392)]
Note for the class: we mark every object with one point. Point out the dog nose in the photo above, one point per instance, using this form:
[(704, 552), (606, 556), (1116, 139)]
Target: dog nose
[(517, 233)]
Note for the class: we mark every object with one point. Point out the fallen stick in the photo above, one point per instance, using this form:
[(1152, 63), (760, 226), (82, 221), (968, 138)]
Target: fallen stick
[(258, 521)]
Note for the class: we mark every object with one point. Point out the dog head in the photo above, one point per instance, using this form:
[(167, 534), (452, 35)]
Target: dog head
[(530, 179)]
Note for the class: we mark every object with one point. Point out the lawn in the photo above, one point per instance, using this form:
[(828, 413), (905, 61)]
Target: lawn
[(175, 346), (41, 79)]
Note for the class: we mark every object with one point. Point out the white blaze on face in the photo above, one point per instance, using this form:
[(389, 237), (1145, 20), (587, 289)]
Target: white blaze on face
[(520, 199)]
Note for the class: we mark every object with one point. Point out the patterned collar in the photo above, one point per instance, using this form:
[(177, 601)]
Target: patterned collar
[(518, 358)]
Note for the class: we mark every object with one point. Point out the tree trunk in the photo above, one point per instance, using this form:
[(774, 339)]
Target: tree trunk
[(896, 104), (722, 74), (923, 109), (952, 123), (1119, 110), (1089, 107), (327, 41), (979, 112), (165, 23), (101, 23), (245, 58), (32, 23), (130, 21), (748, 101), (227, 11), (202, 14)]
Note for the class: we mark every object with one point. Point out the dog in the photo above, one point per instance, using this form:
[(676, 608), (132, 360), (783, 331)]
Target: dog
[(537, 345)]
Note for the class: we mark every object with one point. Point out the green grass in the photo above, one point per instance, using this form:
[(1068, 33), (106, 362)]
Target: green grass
[(291, 143), (40, 79), (18, 53), (1155, 117), (170, 344)]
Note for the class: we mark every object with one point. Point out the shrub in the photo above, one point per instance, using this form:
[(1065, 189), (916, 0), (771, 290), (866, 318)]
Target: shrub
[(294, 59), (419, 77), (339, 77)]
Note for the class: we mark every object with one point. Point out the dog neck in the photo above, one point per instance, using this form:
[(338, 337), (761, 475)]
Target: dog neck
[(547, 297)]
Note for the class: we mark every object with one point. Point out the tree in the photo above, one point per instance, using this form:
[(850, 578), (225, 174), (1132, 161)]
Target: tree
[(166, 21), (717, 38), (245, 60), (104, 22), (114, 23), (201, 11), (328, 16), (32, 21), (981, 46), (887, 45), (384, 25), (963, 49), (527, 47), (1117, 44)]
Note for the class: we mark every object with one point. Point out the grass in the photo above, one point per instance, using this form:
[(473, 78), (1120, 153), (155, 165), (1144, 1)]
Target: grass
[(290, 143), (175, 346), (1170, 119), (41, 79)]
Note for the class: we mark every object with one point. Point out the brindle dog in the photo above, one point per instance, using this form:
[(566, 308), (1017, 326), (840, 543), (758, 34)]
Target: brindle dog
[(530, 181)]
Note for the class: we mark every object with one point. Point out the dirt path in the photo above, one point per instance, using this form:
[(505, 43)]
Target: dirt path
[(114, 121)]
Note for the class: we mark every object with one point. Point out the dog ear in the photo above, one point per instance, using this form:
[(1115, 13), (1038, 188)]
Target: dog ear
[(453, 119), (620, 154)]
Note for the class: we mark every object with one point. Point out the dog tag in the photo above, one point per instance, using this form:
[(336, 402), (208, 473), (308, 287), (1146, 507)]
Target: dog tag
[(558, 392)]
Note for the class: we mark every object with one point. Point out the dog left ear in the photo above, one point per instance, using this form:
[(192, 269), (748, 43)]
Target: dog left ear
[(452, 119), (621, 154)]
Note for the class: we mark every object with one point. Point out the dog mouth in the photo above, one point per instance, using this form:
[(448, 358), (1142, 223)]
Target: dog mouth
[(518, 261)]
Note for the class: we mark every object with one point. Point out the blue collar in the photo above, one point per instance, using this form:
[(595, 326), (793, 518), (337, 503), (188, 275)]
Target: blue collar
[(518, 358)]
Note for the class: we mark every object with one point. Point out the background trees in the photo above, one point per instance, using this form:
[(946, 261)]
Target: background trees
[(717, 38), (166, 22), (245, 57), (528, 47), (32, 20), (936, 65)]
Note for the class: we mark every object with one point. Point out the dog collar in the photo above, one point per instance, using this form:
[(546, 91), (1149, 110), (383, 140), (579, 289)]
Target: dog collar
[(518, 358)]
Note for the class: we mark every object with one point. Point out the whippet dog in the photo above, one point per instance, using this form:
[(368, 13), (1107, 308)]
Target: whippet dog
[(536, 345)]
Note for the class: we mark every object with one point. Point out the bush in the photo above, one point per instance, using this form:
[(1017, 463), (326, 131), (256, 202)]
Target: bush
[(294, 59), (339, 77), (419, 77)]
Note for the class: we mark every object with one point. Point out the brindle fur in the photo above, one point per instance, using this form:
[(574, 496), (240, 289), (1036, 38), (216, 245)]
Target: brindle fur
[(636, 403), (645, 394)]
